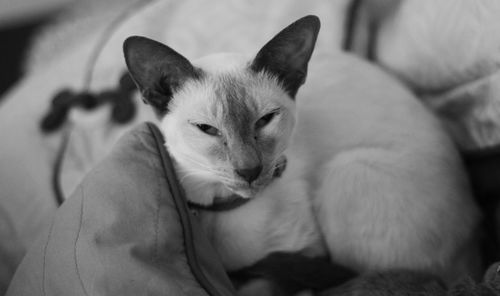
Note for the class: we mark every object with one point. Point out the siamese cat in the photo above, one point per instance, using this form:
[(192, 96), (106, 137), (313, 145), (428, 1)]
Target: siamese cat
[(371, 180)]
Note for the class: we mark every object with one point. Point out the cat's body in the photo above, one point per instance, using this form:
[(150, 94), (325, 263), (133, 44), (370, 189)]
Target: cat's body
[(371, 179), (372, 166)]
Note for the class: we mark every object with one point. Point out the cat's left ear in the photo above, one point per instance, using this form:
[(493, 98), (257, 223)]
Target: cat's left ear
[(288, 53), (157, 70)]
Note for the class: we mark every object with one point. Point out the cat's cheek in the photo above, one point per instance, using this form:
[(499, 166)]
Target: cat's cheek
[(275, 141), (217, 153), (172, 130), (267, 145)]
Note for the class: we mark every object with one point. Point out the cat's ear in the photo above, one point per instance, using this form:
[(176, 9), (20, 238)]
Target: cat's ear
[(157, 70), (288, 53)]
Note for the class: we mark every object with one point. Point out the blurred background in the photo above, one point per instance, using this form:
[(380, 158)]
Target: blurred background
[(19, 21)]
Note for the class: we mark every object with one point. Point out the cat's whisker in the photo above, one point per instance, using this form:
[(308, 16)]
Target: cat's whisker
[(215, 173), (207, 169), (200, 164), (192, 173)]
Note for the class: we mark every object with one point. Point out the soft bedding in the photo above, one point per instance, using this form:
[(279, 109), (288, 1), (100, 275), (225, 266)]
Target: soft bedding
[(447, 52), (127, 230)]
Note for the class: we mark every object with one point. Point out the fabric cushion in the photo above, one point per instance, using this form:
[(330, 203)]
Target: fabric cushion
[(124, 231)]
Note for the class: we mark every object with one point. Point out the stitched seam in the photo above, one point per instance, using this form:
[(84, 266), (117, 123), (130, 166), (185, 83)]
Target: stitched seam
[(157, 220), (45, 257), (181, 207), (75, 257)]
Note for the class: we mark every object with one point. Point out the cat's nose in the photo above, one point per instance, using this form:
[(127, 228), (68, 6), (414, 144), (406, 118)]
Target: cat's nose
[(250, 174)]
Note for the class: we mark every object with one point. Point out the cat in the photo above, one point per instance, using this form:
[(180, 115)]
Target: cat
[(371, 179)]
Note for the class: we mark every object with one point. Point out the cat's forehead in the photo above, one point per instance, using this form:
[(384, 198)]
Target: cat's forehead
[(222, 63), (230, 90), (234, 102)]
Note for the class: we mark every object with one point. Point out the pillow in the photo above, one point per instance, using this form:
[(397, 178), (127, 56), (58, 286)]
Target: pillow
[(125, 230)]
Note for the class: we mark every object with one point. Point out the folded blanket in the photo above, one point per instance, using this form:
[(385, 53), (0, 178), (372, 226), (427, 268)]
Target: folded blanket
[(447, 51)]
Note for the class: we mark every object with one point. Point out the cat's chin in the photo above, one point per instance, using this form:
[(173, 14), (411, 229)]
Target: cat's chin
[(249, 191), (245, 193)]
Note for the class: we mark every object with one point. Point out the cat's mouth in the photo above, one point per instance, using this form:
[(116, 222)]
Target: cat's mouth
[(246, 190), (245, 193)]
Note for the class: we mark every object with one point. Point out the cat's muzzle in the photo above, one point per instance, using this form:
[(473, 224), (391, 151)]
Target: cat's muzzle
[(247, 190)]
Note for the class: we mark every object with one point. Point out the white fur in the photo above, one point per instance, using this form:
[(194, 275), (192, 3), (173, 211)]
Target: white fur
[(195, 103), (370, 170)]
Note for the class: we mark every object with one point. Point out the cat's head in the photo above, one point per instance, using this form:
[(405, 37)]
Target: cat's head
[(227, 118)]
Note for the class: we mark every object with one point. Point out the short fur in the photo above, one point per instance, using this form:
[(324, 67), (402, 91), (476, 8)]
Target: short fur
[(371, 178)]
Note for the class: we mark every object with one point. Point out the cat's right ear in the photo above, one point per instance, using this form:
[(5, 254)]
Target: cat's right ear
[(286, 56), (157, 70)]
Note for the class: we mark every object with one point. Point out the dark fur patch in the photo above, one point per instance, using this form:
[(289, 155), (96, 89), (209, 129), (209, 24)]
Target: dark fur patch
[(237, 109), (294, 272), (157, 70), (286, 56)]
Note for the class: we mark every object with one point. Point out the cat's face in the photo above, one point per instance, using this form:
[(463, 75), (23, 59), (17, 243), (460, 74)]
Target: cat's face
[(227, 120), (231, 125)]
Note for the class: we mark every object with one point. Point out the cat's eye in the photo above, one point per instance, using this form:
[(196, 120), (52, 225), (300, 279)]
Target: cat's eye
[(208, 129), (264, 120)]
